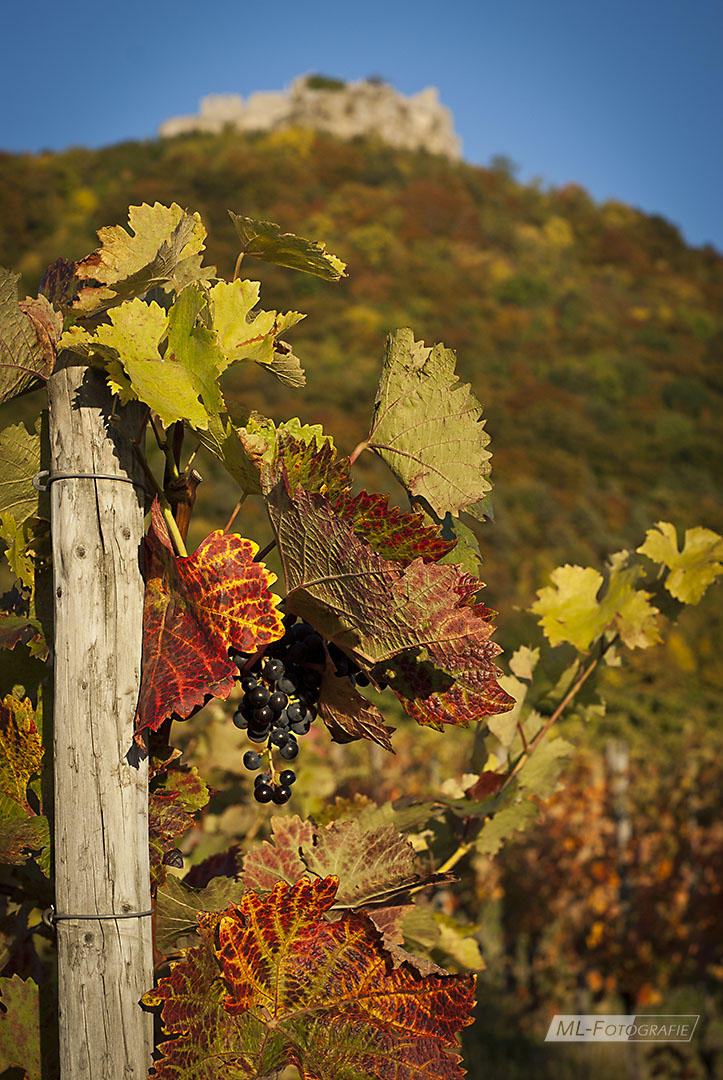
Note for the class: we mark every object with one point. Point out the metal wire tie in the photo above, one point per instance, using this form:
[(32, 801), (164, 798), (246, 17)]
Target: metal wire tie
[(80, 476), (50, 916)]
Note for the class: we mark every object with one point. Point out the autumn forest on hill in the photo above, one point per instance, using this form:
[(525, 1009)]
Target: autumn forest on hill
[(592, 335)]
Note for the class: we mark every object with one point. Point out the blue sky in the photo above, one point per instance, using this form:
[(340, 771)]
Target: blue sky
[(624, 97)]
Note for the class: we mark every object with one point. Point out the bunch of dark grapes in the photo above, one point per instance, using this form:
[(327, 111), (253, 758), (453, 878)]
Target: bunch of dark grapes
[(280, 693)]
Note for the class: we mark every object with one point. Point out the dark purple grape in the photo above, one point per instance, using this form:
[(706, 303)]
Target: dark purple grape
[(279, 737), (362, 679), (311, 679), (273, 670), (287, 778), (240, 720), (301, 727), (281, 795), (262, 717), (252, 760), (297, 653), (257, 735), (264, 793), (286, 684), (289, 751), (278, 701), (290, 619), (295, 712), (258, 696), (262, 778), (248, 683)]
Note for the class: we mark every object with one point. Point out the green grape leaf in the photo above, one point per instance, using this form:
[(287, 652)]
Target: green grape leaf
[(694, 568), (20, 1027), (504, 823), (540, 773), (22, 831), (29, 332), (265, 240), (162, 246), (285, 366), (247, 449), (20, 455), (284, 986), (21, 838), (524, 661), (197, 608), (178, 904), (241, 335), (433, 931), (465, 551), (569, 609), (427, 427), (17, 630)]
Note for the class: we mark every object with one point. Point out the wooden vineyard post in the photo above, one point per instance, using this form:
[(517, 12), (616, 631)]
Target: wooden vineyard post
[(101, 796)]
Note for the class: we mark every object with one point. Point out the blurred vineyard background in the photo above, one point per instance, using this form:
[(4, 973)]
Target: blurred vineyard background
[(593, 337)]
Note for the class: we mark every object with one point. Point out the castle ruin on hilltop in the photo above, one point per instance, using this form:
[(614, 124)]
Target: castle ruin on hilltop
[(368, 107)]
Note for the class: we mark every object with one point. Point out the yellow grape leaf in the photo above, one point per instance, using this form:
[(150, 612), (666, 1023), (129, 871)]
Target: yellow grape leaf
[(694, 568)]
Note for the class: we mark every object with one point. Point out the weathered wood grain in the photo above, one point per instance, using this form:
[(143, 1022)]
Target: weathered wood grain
[(101, 800)]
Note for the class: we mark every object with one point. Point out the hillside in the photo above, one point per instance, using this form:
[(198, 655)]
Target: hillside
[(592, 334)]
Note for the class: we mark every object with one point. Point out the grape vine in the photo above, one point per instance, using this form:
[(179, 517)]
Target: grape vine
[(271, 944)]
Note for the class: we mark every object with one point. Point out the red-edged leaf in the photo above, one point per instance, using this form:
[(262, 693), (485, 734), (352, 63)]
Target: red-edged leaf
[(348, 715), (198, 607), (457, 683), (268, 863), (287, 987), (310, 464), (391, 532), (373, 864), (17, 630), (176, 793), (371, 607)]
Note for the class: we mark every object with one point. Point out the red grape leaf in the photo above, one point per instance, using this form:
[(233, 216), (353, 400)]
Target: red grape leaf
[(373, 865), (197, 607), (348, 715), (391, 532), (285, 986), (417, 627), (369, 606)]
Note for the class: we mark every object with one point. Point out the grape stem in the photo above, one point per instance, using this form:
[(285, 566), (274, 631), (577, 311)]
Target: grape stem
[(236, 509), (264, 551), (363, 445)]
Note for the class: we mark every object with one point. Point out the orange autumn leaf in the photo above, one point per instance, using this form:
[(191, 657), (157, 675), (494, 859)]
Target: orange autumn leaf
[(276, 984), (197, 608)]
